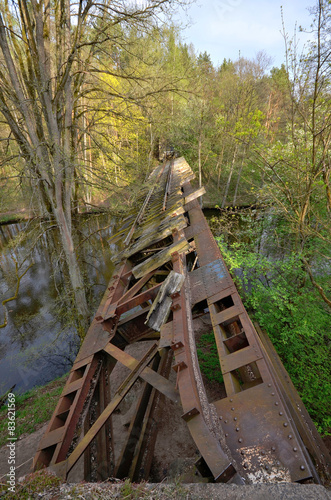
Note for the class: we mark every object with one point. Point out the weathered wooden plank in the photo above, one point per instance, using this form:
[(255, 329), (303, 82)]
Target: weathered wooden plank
[(158, 222), (155, 189), (166, 335), (158, 233), (157, 206), (175, 199), (161, 258), (176, 208), (196, 194), (168, 186), (160, 309), (147, 230)]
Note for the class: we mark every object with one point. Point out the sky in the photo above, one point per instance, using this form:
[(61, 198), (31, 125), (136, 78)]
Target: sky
[(227, 28)]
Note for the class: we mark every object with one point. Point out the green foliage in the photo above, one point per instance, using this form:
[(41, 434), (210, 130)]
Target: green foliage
[(208, 357), (32, 409), (131, 491), (286, 305), (34, 485), (10, 218)]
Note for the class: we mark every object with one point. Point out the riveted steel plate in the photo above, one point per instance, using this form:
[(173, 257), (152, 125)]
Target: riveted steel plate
[(208, 280), (261, 437), (195, 229), (95, 340)]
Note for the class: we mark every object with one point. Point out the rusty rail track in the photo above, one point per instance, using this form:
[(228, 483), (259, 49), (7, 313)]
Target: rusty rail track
[(259, 432)]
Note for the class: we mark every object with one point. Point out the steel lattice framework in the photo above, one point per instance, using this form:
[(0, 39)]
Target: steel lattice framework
[(171, 266)]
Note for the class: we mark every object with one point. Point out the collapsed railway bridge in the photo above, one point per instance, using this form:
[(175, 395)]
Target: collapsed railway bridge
[(170, 272)]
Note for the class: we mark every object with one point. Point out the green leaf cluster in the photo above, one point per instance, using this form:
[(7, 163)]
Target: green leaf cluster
[(33, 485), (281, 299), (208, 357), (32, 409)]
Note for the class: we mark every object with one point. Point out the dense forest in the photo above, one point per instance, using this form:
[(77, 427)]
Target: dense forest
[(92, 93)]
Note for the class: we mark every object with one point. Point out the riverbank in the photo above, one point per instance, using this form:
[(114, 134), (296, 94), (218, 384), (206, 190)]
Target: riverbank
[(33, 409), (14, 216)]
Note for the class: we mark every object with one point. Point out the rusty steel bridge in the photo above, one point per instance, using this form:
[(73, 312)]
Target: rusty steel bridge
[(170, 271)]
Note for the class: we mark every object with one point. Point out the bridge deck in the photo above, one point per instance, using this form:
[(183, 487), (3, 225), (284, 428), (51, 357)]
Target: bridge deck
[(169, 270)]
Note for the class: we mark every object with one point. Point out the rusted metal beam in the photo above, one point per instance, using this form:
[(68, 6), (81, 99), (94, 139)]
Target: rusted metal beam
[(143, 297), (142, 460), (115, 310), (110, 408), (60, 431), (133, 328), (133, 316), (132, 446), (259, 436), (147, 374), (97, 463), (299, 414), (191, 396), (118, 285), (255, 432), (135, 288)]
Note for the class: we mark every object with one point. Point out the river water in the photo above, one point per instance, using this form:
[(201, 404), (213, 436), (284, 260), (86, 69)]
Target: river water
[(39, 342)]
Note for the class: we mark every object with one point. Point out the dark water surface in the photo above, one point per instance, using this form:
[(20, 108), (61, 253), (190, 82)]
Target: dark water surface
[(38, 343)]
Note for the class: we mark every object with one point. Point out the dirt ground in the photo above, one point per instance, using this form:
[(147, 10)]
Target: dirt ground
[(25, 451)]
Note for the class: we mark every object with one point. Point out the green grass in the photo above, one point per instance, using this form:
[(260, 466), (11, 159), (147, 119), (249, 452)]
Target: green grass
[(6, 218), (32, 486), (11, 218), (43, 482), (32, 409), (208, 357)]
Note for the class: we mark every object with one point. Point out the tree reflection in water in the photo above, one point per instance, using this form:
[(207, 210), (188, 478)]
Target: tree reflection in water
[(40, 341)]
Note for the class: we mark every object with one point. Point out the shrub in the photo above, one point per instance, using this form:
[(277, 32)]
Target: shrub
[(282, 300)]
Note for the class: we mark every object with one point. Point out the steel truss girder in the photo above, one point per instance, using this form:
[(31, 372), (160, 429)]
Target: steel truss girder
[(257, 423), (253, 433)]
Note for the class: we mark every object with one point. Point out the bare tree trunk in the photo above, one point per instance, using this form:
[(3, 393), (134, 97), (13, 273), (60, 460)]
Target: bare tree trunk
[(229, 177), (199, 161), (326, 179), (45, 62), (88, 189), (74, 271), (151, 150), (45, 133), (238, 179), (219, 167)]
